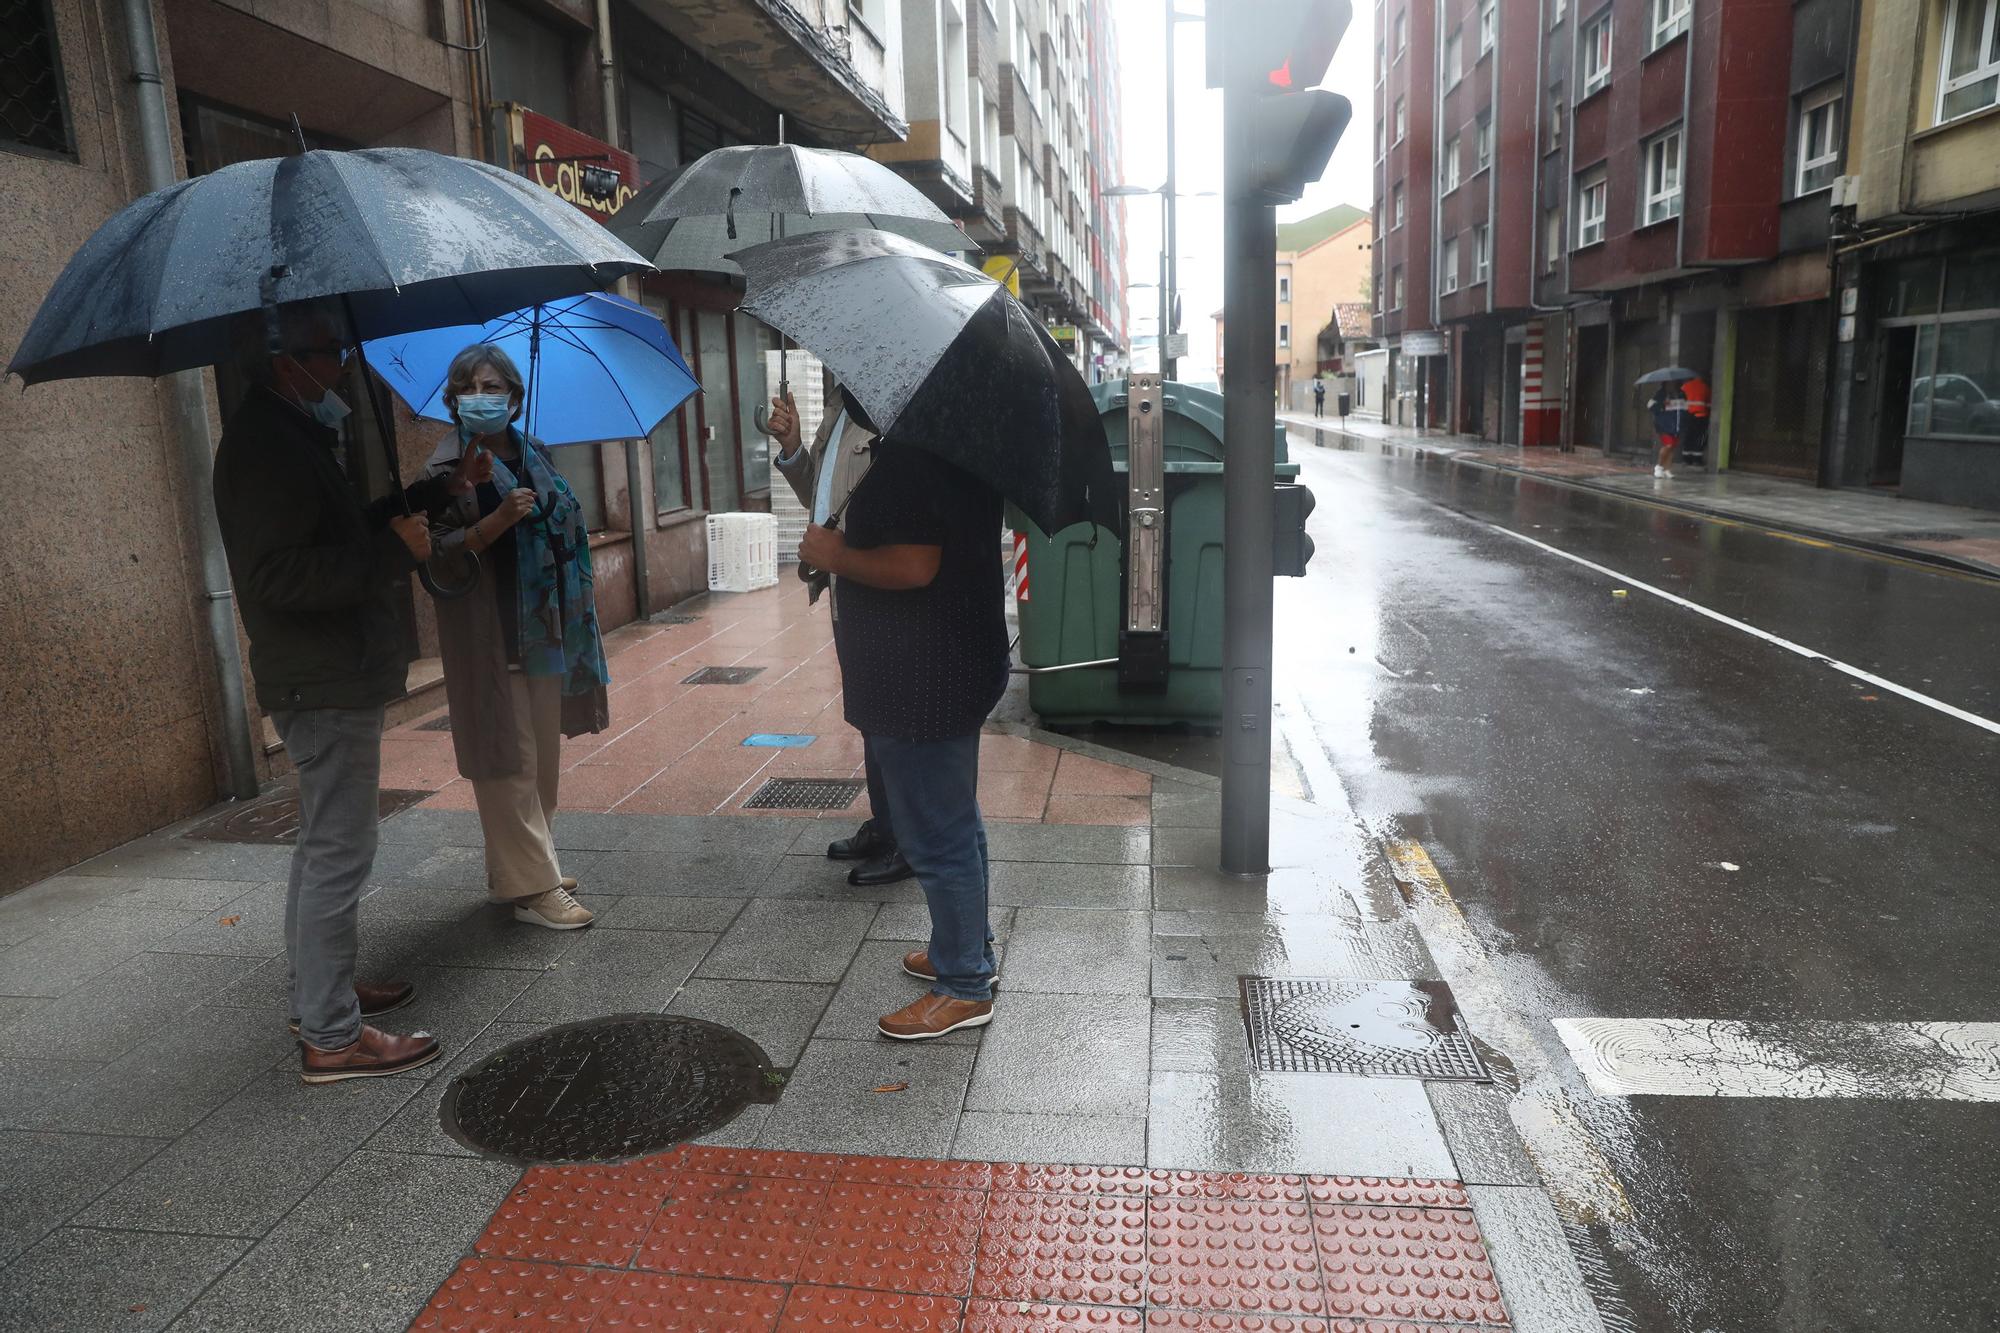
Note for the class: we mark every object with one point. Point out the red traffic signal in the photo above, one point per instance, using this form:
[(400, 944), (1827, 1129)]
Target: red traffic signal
[(1280, 45)]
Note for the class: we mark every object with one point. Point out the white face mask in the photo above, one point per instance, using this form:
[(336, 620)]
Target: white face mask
[(330, 409)]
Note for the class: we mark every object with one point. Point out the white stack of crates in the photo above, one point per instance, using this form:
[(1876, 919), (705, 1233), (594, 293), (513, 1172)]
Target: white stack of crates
[(742, 552), (807, 392)]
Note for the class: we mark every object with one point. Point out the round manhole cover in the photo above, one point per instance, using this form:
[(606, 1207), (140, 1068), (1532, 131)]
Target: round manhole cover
[(607, 1089)]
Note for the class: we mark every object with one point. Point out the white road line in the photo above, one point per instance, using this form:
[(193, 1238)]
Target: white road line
[(1915, 696), (1697, 1057)]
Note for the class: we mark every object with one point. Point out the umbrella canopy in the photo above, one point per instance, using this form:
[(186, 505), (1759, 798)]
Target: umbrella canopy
[(943, 359), (737, 197), (599, 367), (1667, 375), (413, 239)]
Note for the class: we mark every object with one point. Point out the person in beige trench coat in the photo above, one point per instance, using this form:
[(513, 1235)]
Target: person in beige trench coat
[(520, 671)]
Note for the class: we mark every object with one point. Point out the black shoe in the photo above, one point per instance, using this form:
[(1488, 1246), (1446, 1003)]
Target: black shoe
[(890, 869), (867, 843)]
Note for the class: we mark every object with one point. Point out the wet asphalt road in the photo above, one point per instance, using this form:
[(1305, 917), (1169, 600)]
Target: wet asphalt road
[(1579, 765)]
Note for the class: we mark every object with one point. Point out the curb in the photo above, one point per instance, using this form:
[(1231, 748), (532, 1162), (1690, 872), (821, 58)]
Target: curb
[(1468, 456)]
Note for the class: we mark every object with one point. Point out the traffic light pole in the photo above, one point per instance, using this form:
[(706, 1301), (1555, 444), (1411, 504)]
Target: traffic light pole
[(1249, 337)]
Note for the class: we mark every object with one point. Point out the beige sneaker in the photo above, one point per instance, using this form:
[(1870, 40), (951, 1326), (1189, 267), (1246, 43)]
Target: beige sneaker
[(554, 910)]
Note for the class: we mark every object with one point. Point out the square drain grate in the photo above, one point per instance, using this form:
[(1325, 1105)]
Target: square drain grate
[(275, 818), (440, 723), (724, 676), (671, 618), (806, 794), (1380, 1029)]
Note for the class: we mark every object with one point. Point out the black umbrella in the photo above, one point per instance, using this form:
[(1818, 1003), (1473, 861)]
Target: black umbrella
[(943, 359), (411, 239)]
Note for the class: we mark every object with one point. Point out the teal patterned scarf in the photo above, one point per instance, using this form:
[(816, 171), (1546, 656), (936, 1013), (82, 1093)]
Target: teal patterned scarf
[(558, 619)]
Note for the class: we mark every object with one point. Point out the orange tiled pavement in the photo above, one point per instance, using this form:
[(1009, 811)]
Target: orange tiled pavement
[(715, 1240), (677, 749)]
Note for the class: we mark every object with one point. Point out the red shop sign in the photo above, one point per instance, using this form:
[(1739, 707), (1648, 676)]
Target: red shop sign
[(555, 157)]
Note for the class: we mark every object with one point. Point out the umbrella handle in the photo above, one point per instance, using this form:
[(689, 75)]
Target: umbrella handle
[(759, 416)]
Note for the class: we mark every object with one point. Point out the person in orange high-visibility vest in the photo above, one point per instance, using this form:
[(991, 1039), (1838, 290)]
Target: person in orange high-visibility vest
[(1694, 419)]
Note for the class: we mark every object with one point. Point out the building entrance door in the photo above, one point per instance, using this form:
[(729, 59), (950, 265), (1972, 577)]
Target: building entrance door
[(1779, 397), (1898, 350), (1592, 354)]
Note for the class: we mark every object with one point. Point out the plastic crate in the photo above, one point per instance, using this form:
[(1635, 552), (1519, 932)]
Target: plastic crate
[(742, 552)]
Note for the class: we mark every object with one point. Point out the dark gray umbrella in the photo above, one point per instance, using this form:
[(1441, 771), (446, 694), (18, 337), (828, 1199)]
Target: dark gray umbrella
[(1667, 375), (412, 240), (943, 359)]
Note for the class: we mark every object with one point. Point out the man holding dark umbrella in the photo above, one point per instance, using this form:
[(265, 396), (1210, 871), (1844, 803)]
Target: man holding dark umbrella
[(921, 631), (315, 572)]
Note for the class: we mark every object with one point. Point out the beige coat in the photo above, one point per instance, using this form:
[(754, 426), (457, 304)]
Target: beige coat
[(852, 457)]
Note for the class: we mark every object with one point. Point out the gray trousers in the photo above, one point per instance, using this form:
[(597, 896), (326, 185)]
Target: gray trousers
[(338, 753)]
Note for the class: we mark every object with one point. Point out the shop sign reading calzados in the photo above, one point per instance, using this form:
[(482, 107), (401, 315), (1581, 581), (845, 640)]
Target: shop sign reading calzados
[(561, 161)]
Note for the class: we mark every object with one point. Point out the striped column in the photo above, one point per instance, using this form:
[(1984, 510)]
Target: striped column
[(1541, 403), (1021, 566)]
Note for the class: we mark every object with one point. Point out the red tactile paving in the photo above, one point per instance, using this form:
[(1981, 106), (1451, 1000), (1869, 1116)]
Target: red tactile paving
[(1062, 1249), (716, 1240)]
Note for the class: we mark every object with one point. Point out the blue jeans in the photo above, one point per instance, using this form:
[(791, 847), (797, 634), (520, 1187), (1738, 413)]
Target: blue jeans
[(878, 799), (932, 790)]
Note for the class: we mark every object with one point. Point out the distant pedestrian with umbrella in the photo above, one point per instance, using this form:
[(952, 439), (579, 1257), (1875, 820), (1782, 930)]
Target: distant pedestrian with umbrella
[(1666, 427), (1677, 424), (523, 657)]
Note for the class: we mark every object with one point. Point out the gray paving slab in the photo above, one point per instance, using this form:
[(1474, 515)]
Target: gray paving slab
[(489, 937), (191, 895), (266, 986), (415, 1127), (430, 1210), (170, 1080), (752, 833), (26, 1085), (44, 1178), (876, 985), (1046, 884), (13, 1007), (647, 912), (162, 857), (1079, 951), (1538, 1274), (829, 1103), (790, 940), (743, 1131), (252, 926), (411, 902), (815, 877), (433, 828), (1068, 844), (40, 907), (705, 871), (912, 922), (1176, 805), (779, 1016), (1022, 1136), (1485, 1146), (592, 830), (456, 1004), (1064, 1055), (1200, 1036), (1201, 889), (1294, 1122), (80, 1280), (88, 944), (107, 1016), (1311, 945), (1401, 950), (244, 1167), (426, 866), (612, 972)]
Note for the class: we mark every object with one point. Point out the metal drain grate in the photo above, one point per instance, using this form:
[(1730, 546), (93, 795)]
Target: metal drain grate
[(723, 676), (440, 723), (671, 618), (607, 1089), (1382, 1029), (275, 818), (806, 794)]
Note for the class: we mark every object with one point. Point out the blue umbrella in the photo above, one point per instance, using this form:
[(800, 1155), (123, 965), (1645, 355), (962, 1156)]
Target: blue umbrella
[(604, 367)]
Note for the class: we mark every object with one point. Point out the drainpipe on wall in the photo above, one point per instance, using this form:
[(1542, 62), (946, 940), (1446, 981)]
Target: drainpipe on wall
[(638, 453), (187, 411)]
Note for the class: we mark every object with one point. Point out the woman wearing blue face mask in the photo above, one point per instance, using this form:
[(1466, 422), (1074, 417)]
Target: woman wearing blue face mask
[(523, 660)]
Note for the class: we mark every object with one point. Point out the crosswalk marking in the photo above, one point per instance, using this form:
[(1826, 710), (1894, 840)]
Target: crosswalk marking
[(1697, 1057)]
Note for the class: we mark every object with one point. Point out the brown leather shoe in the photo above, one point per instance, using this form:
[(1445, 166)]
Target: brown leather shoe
[(377, 998), (918, 964), (934, 1016), (374, 1054)]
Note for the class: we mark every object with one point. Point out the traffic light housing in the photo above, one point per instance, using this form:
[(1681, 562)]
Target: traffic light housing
[(1275, 51), (1291, 549)]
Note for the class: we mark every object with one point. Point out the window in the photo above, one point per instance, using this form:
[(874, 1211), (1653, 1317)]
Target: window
[(1557, 8), (1483, 141), (868, 13), (34, 111), (1381, 136), (1448, 169), (1970, 79), (1402, 118), (1284, 335), (717, 449), (1396, 202), (656, 128), (957, 103), (529, 59), (1557, 109), (669, 438), (1402, 33), (1482, 252), (989, 155), (1670, 20), (1819, 141), (1489, 25), (1591, 195), (1663, 178), (1552, 239), (1596, 54), (1448, 264), (1284, 289), (753, 387), (1454, 58), (1396, 284)]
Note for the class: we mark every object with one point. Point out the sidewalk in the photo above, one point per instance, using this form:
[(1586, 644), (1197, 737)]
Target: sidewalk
[(1949, 535), (162, 1166)]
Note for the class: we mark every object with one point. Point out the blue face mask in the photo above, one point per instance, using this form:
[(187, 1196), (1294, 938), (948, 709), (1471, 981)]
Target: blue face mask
[(330, 410), (485, 413)]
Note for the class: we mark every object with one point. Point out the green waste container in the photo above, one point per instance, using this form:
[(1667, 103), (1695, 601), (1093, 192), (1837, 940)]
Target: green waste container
[(1075, 605)]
